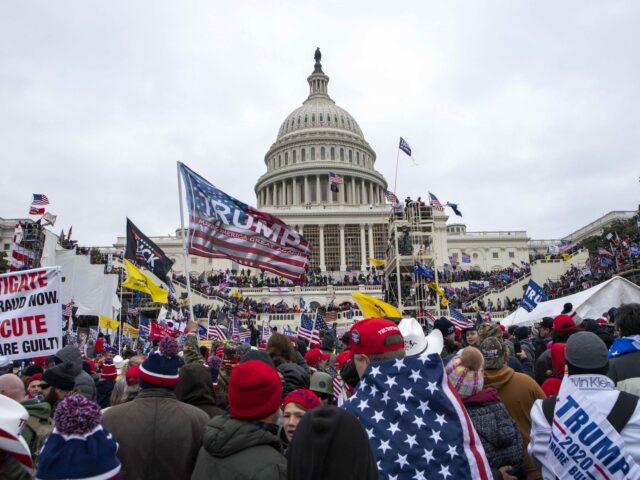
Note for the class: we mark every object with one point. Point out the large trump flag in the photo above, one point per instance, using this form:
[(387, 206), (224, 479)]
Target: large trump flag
[(221, 226)]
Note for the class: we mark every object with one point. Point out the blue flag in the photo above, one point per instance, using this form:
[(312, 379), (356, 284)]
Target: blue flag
[(454, 207), (404, 146), (423, 271), (417, 426), (505, 277), (533, 295)]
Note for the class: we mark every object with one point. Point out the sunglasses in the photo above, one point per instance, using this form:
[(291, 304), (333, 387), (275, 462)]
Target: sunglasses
[(44, 386)]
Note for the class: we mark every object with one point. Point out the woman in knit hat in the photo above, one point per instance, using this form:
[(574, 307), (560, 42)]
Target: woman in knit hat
[(104, 387), (294, 407), (498, 432), (78, 447)]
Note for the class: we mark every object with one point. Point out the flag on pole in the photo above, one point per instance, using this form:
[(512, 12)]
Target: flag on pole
[(435, 203), (391, 197), (373, 307), (466, 258), (307, 329), (335, 179), (533, 295), (224, 227), (67, 309), (36, 211), (376, 263), (49, 218), (136, 280), (144, 252), (459, 320), (404, 146), (454, 207), (216, 333), (40, 199)]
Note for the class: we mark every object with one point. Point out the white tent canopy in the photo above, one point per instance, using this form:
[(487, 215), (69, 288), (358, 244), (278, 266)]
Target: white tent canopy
[(589, 303)]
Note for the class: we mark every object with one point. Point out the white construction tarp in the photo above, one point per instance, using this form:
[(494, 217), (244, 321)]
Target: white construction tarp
[(589, 303)]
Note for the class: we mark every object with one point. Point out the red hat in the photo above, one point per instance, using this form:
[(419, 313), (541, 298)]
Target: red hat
[(551, 386), (315, 355), (35, 376), (343, 358), (303, 397), (132, 375), (108, 372), (563, 323), (255, 390), (92, 364), (367, 336)]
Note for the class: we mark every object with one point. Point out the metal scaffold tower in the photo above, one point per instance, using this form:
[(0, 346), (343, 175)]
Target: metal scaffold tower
[(410, 236)]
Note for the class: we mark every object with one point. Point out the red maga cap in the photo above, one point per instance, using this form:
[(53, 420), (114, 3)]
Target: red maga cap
[(367, 336)]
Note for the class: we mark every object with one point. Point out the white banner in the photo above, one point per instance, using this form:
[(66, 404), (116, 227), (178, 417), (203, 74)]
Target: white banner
[(583, 444), (30, 313)]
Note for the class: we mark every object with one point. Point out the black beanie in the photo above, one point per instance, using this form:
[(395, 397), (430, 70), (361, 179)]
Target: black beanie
[(330, 443), (61, 376), (32, 370)]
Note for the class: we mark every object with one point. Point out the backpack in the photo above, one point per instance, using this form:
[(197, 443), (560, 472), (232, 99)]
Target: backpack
[(618, 417), (40, 433)]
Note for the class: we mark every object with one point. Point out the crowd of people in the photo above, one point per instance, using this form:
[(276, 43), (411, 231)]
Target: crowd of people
[(375, 402)]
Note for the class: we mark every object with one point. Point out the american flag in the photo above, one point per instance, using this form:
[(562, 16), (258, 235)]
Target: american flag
[(391, 197), (202, 332), (40, 199), (459, 320), (487, 314), (321, 324), (335, 179), (68, 309), (21, 257), (266, 331), (307, 329), (216, 333), (435, 203), (417, 425), (604, 251), (236, 231), (132, 310)]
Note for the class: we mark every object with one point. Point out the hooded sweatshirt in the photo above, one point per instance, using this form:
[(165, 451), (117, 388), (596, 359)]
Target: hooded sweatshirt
[(294, 377), (518, 392), (330, 443), (84, 382), (195, 388), (233, 449)]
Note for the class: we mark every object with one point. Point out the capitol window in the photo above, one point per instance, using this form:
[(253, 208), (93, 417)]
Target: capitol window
[(342, 154), (320, 117), (313, 117), (306, 118), (279, 160), (335, 117), (299, 120), (475, 256), (321, 153), (342, 120), (313, 153), (350, 156), (512, 254), (286, 158), (494, 254), (333, 153), (293, 156), (358, 158), (303, 155)]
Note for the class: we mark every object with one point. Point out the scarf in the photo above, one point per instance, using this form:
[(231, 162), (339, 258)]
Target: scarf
[(624, 345)]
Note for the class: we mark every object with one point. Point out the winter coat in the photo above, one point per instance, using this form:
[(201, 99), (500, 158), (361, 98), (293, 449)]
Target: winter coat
[(195, 388), (237, 450), (38, 426), (84, 383), (518, 392), (159, 436), (625, 372), (294, 377), (498, 432), (104, 388), (544, 367)]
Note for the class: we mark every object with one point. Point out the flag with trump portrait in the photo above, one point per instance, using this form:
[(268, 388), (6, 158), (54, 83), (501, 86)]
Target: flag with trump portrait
[(224, 227), (418, 427)]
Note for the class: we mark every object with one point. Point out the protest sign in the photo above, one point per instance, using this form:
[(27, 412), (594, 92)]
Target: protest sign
[(30, 313), (583, 443)]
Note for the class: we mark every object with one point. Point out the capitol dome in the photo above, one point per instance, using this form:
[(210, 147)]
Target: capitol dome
[(316, 139)]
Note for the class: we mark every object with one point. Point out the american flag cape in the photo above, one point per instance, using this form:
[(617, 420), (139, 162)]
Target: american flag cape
[(416, 423), (223, 227)]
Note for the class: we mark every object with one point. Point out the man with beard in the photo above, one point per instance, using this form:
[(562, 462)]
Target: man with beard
[(59, 381)]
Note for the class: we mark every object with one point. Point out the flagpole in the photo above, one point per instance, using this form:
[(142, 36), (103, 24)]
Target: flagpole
[(119, 334), (184, 246), (395, 180)]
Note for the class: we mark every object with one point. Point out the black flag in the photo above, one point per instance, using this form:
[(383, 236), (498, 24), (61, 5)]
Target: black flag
[(142, 251)]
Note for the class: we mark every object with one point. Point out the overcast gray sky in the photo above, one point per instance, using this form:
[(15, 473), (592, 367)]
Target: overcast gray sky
[(525, 113)]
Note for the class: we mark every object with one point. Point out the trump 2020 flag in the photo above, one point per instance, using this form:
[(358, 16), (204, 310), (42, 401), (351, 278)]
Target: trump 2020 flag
[(533, 295), (417, 425), (221, 226), (404, 146)]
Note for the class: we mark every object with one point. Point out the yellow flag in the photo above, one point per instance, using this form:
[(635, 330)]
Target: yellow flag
[(376, 263), (444, 302), (106, 322), (566, 256), (436, 288), (237, 293), (372, 307), (126, 328), (136, 280)]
